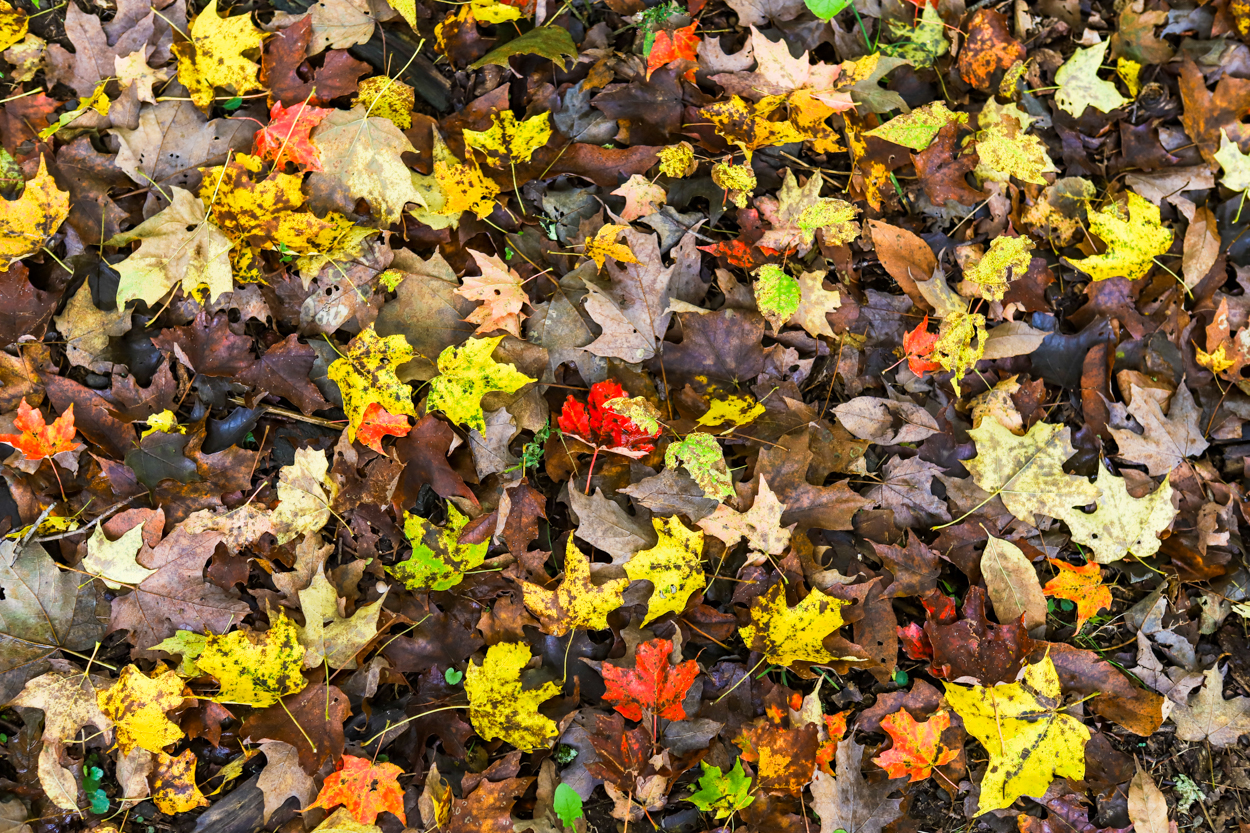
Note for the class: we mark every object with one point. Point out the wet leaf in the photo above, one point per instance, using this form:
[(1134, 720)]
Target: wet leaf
[(499, 705), (365, 788), (467, 373)]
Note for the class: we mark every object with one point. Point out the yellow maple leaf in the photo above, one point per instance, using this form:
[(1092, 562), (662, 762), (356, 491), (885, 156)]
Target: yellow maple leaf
[(1006, 259), (786, 635), (14, 23), (603, 246), (738, 181), (366, 374), (454, 188), (256, 669), (808, 113), (1122, 524), (1217, 361), (340, 240), (674, 566), (214, 57), (509, 141), (328, 636), (173, 784), (1005, 150), (1029, 740), (577, 603), (304, 496), (137, 703), (676, 161), (27, 222), (733, 410), (1134, 238), (387, 98), (439, 560), (466, 374), (748, 125), (114, 561), (960, 343), (499, 707)]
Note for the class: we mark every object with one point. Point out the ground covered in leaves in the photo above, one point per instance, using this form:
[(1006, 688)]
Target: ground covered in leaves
[(502, 416)]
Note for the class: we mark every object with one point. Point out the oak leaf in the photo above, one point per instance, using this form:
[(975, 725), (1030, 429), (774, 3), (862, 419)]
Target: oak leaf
[(365, 788), (787, 635), (1029, 739), (366, 374), (499, 706), (1207, 716), (577, 603), (466, 374), (917, 747), (674, 566), (653, 686)]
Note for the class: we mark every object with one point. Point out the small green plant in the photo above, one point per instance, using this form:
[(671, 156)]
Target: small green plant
[(453, 676), (1187, 792), (91, 777), (532, 453)]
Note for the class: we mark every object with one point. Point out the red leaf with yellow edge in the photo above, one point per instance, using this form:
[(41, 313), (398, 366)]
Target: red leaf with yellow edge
[(917, 747), (601, 427), (38, 439), (652, 684), (286, 137), (378, 423), (679, 45), (1082, 585), (365, 789), (918, 346)]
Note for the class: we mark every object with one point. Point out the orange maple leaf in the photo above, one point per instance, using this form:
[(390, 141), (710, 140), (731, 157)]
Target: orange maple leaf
[(678, 45), (1082, 585), (365, 789), (378, 423), (286, 137), (917, 747), (653, 684), (38, 439), (918, 346)]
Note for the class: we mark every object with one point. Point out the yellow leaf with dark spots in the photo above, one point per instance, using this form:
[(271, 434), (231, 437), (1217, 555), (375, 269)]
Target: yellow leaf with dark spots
[(366, 374), (786, 635), (674, 566), (173, 784), (137, 703), (509, 141), (256, 669), (603, 246), (499, 705), (27, 222), (1134, 236), (467, 373), (577, 603), (214, 57)]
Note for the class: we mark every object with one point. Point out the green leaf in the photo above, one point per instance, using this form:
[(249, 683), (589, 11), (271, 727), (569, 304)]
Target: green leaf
[(722, 793), (439, 561), (551, 42), (827, 9), (917, 129), (1080, 86), (453, 676), (568, 805), (777, 294), (701, 455)]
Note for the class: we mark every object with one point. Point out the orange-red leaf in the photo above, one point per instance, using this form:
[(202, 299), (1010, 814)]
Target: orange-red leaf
[(835, 725), (1082, 585), (286, 139), (39, 440), (365, 789), (678, 45), (917, 747), (378, 423), (652, 683), (918, 346)]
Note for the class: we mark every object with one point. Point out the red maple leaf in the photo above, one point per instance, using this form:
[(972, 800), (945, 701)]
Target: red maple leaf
[(365, 789), (286, 137), (679, 45), (38, 439), (603, 428), (917, 747), (737, 252), (835, 725), (652, 684), (918, 346), (378, 423)]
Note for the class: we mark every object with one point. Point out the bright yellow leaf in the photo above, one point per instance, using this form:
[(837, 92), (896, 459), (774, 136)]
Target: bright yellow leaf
[(173, 784), (749, 126), (27, 222), (499, 707), (676, 161), (387, 98), (467, 373), (734, 411), (14, 24), (786, 635), (603, 246), (366, 374), (960, 343), (509, 141), (256, 669), (674, 566), (1029, 740), (137, 703), (1134, 238), (454, 188), (577, 602), (1008, 258), (738, 181), (214, 55)]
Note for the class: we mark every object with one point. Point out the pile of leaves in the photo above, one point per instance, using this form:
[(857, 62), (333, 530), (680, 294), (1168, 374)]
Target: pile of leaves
[(505, 415)]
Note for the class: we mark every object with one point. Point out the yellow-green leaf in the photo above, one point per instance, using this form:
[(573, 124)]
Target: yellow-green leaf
[(114, 561), (466, 374), (674, 566), (1134, 239), (366, 374), (1080, 86), (438, 561), (1006, 259), (1236, 164), (1122, 524)]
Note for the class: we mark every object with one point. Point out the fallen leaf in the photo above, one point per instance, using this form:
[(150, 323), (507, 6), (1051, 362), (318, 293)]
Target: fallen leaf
[(365, 375), (1080, 584), (365, 788), (1012, 584), (577, 602), (498, 704), (722, 793), (1079, 84), (760, 525), (214, 55), (282, 778), (1134, 238), (30, 220), (846, 801), (173, 784), (1122, 525), (1207, 716), (255, 669), (137, 705), (1167, 441), (674, 566), (467, 373), (917, 747), (652, 686), (787, 635)]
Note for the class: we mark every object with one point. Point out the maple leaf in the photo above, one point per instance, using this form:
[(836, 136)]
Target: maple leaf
[(509, 141), (722, 793), (678, 45), (1121, 525), (735, 411), (777, 295), (454, 188), (366, 375), (27, 222), (1236, 164), (362, 153), (501, 292), (1167, 441), (1079, 84), (1135, 236), (917, 747), (960, 343), (178, 246), (677, 161), (700, 454), (1030, 741), (577, 602), (137, 704), (14, 24), (213, 57), (304, 496), (760, 525), (1206, 114), (388, 98), (1006, 259), (918, 129), (173, 784), (500, 707), (787, 635), (39, 440), (642, 197), (748, 125), (1003, 148), (439, 560), (846, 801), (1080, 584), (1207, 716), (653, 685), (328, 636), (378, 423), (114, 561), (365, 789), (286, 137), (918, 345), (1027, 472), (256, 669), (601, 426), (467, 373), (603, 246), (674, 566)]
